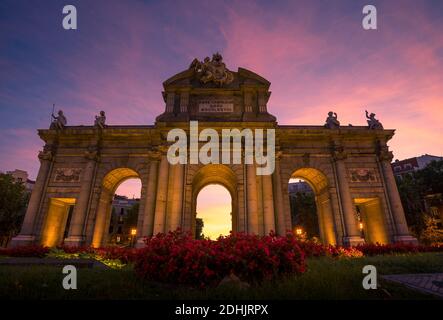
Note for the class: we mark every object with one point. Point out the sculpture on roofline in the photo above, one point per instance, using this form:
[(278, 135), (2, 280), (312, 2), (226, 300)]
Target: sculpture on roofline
[(59, 121), (372, 122), (100, 120), (331, 121)]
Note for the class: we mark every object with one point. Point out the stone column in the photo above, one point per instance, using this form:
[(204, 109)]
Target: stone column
[(177, 196), (151, 191), (76, 236), (252, 199), (161, 197), (27, 236), (268, 204), (170, 99), (101, 215), (278, 198), (401, 226), (352, 234)]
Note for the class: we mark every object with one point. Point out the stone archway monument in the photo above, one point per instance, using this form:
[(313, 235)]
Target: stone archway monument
[(347, 167)]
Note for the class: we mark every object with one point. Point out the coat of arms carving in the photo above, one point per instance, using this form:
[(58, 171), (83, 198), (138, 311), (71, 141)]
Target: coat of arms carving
[(363, 175), (212, 70), (67, 175)]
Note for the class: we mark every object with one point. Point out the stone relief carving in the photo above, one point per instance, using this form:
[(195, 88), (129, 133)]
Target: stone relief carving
[(363, 175), (212, 70), (67, 175)]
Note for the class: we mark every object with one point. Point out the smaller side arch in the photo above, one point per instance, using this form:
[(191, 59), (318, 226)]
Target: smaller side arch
[(319, 183), (110, 182)]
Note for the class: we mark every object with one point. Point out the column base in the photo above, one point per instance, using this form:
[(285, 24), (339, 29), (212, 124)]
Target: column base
[(405, 239), (74, 241), (353, 241), (22, 240), (140, 242)]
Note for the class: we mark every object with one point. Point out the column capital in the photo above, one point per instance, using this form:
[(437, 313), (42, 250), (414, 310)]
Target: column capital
[(338, 152), (92, 153), (384, 154), (47, 153)]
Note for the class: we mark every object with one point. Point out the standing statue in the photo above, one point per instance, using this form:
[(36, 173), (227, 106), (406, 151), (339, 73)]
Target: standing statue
[(331, 121), (59, 121), (100, 120), (372, 122)]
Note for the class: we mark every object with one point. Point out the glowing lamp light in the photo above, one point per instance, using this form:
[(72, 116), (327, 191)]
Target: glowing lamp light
[(361, 226), (298, 231), (133, 232)]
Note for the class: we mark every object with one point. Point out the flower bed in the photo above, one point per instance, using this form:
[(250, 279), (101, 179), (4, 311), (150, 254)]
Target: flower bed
[(34, 251), (370, 249), (177, 258)]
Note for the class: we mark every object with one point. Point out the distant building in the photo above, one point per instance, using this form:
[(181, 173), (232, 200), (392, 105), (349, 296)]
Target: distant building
[(410, 165), (119, 229), (432, 203), (301, 187), (22, 177)]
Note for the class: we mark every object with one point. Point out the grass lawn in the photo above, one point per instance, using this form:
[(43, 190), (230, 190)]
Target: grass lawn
[(326, 278)]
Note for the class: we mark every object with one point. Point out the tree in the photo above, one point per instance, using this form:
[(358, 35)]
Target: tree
[(413, 189), (13, 202), (199, 229), (304, 213)]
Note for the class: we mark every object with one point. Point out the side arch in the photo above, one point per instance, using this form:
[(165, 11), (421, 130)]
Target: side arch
[(319, 183), (109, 184)]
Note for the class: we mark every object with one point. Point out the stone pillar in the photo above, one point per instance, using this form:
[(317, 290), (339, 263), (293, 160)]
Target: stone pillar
[(161, 197), (352, 234), (76, 236), (27, 236), (147, 228), (101, 216), (268, 204), (401, 226), (170, 100), (262, 100), (252, 199), (184, 101), (177, 197), (248, 101), (278, 198)]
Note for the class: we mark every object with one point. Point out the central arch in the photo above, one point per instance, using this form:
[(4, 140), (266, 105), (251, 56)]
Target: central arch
[(111, 182), (319, 183), (215, 174)]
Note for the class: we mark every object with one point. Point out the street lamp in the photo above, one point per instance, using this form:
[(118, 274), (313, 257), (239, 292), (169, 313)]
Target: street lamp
[(133, 233), (299, 231)]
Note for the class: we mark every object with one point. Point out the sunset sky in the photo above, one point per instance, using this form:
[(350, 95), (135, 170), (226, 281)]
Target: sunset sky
[(315, 53)]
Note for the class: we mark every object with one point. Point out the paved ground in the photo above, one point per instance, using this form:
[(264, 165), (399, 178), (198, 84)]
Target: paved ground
[(425, 282)]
